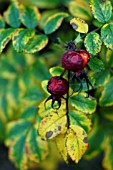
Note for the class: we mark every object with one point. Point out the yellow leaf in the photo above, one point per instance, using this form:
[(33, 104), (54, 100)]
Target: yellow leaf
[(76, 142), (61, 146), (53, 159), (45, 111), (52, 125), (79, 25)]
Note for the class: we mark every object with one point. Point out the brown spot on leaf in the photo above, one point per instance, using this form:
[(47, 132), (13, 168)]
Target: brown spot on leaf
[(43, 122), (6, 41), (15, 37), (85, 140), (74, 26), (59, 128), (83, 133), (49, 134)]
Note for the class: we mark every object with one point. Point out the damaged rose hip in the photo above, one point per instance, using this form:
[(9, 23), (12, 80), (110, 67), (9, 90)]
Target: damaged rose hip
[(57, 87), (75, 60)]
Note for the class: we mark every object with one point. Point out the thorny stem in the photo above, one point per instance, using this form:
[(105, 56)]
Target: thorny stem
[(67, 104)]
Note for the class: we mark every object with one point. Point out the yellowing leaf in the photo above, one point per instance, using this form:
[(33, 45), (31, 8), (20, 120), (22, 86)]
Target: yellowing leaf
[(52, 125), (108, 161), (5, 37), (30, 16), (96, 139), (79, 25), (93, 43), (44, 86), (86, 105), (12, 15), (25, 144), (80, 8), (61, 146), (21, 38), (107, 35), (38, 149), (106, 98), (80, 119), (101, 11), (2, 22), (76, 142), (54, 22), (36, 43), (53, 158), (44, 111)]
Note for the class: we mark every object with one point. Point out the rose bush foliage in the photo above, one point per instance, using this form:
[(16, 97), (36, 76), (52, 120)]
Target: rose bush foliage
[(33, 35)]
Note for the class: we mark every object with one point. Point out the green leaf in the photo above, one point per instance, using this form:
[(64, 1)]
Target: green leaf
[(4, 105), (76, 142), (60, 141), (39, 71), (80, 119), (2, 129), (101, 78), (29, 113), (30, 16), (81, 103), (108, 58), (96, 141), (54, 22), (19, 158), (107, 160), (19, 59), (76, 85), (80, 8), (21, 38), (14, 89), (78, 39), (3, 82), (106, 98), (5, 37), (101, 11), (44, 4), (44, 86), (93, 43), (45, 15), (15, 129), (107, 35), (6, 66), (57, 71), (37, 148), (79, 25), (33, 93), (36, 43), (107, 113), (95, 64), (52, 125), (2, 22), (12, 16), (22, 135)]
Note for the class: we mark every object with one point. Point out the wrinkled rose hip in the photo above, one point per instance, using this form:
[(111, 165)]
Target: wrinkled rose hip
[(57, 86), (75, 60)]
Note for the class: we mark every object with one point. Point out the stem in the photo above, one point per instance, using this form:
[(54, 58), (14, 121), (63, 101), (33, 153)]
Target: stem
[(95, 30), (62, 73), (67, 104)]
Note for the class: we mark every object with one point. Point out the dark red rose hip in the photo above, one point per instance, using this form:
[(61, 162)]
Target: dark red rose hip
[(57, 87), (75, 61)]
